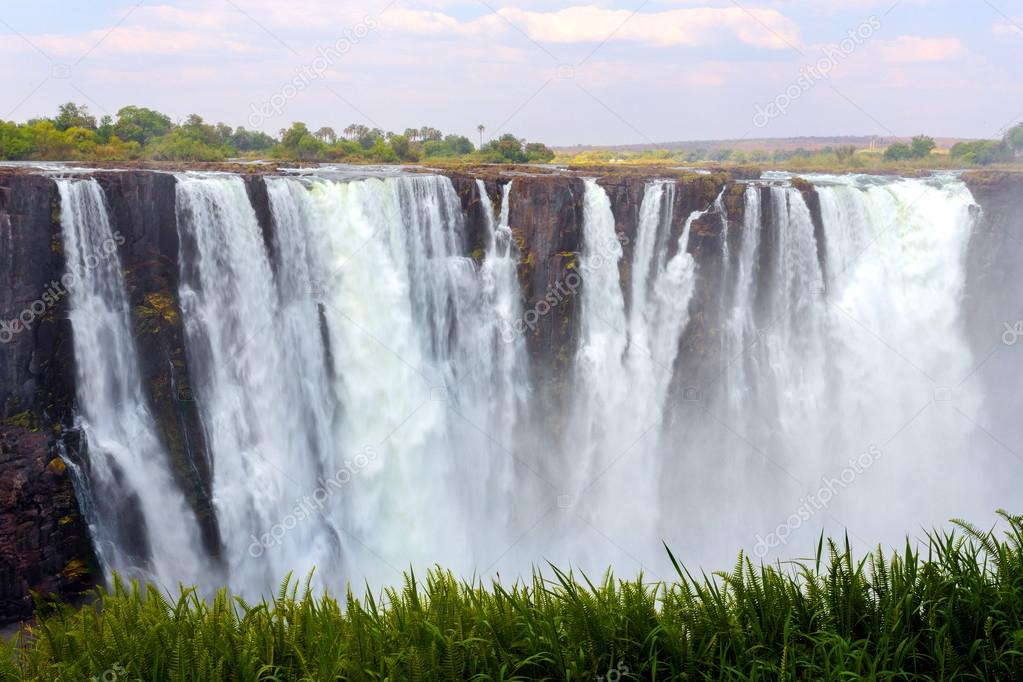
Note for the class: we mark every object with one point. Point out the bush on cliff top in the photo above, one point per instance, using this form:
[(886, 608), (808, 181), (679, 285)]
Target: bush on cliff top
[(954, 610)]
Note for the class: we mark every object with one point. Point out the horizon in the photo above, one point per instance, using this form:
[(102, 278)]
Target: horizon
[(606, 74)]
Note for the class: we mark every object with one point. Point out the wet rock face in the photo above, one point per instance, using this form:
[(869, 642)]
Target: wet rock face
[(37, 364), (142, 210), (994, 276), (35, 353), (993, 298), (44, 546)]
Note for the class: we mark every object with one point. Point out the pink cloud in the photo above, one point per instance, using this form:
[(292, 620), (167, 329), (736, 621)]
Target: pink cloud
[(915, 50)]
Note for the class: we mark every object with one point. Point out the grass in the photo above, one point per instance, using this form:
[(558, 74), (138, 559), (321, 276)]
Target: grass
[(950, 610)]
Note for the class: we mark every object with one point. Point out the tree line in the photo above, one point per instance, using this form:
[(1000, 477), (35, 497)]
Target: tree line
[(140, 133), (921, 151)]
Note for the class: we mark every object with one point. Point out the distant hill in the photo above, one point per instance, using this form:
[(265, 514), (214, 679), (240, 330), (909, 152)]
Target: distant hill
[(766, 144)]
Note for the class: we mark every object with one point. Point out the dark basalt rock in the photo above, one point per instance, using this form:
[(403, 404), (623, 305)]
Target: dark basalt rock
[(996, 248), (813, 202), (44, 545), (35, 355), (993, 303), (255, 186), (41, 532)]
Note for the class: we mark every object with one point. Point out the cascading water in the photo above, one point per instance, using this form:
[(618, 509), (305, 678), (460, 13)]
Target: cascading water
[(366, 395), (140, 522), (624, 363), (842, 379), (356, 371), (502, 296), (259, 385)]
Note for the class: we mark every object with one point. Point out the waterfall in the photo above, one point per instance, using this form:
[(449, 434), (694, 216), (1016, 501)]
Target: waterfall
[(625, 361), (354, 371), (368, 398), (140, 522), (837, 380), (259, 390), (503, 297)]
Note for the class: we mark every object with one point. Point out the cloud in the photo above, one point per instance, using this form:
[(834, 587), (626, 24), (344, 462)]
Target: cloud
[(1007, 29), (916, 50), (139, 40), (692, 26)]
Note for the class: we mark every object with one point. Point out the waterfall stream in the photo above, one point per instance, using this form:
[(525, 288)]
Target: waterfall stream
[(140, 522)]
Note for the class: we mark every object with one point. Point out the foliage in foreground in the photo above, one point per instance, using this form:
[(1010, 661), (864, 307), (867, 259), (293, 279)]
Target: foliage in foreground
[(951, 611)]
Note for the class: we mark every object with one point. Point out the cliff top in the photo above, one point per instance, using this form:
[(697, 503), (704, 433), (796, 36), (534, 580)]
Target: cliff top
[(606, 172)]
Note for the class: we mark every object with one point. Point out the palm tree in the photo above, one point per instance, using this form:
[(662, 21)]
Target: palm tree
[(481, 128), (326, 134)]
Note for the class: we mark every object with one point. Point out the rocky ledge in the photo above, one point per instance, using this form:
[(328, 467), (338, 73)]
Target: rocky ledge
[(44, 545)]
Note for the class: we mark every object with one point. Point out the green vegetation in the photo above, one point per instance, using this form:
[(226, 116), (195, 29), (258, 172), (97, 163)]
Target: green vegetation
[(920, 147), (139, 133), (951, 611)]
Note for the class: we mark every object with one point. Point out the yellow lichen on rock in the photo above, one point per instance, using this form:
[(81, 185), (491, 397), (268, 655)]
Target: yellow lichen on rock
[(75, 569)]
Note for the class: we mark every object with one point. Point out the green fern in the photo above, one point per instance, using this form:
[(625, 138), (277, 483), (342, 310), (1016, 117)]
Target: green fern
[(952, 610)]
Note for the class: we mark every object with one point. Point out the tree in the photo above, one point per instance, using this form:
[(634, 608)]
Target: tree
[(898, 152), (922, 146), (481, 128), (106, 129), (537, 152), (250, 140), (507, 149), (182, 144), (459, 145), (299, 143), (369, 138), (721, 155), (224, 133), (15, 142), (204, 133), (356, 131), (326, 135), (403, 148), (71, 115), (428, 133), (981, 152), (451, 145), (845, 152), (1014, 139), (381, 152), (82, 140), (141, 124)]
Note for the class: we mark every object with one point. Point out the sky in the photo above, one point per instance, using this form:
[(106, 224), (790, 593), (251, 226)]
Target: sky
[(600, 73)]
